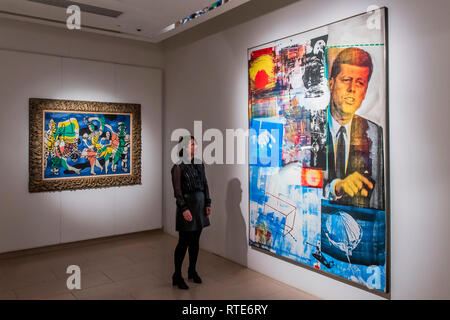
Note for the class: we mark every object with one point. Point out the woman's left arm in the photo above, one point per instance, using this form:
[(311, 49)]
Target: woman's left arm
[(206, 188)]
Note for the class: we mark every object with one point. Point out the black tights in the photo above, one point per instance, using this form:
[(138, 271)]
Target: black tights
[(187, 239)]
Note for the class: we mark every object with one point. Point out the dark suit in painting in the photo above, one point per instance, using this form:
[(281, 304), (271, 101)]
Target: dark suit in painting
[(365, 156)]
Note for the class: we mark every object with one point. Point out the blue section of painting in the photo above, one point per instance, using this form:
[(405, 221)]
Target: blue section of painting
[(294, 234), (88, 156), (353, 239), (302, 238), (266, 139), (353, 233), (257, 194), (372, 277)]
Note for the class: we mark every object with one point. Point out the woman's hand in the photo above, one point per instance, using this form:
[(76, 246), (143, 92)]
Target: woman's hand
[(187, 215), (208, 211)]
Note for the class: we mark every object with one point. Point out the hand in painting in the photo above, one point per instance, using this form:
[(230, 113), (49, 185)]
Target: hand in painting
[(208, 211), (187, 215), (353, 185)]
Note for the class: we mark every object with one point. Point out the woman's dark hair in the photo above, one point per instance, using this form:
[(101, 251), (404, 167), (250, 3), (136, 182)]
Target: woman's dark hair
[(182, 146)]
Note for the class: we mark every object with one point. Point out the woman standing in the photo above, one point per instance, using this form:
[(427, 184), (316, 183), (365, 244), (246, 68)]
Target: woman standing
[(193, 209)]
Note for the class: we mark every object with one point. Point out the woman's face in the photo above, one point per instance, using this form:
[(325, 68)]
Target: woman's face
[(192, 147)]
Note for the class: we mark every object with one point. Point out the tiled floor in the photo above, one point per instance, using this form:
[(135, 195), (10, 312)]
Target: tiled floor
[(135, 267)]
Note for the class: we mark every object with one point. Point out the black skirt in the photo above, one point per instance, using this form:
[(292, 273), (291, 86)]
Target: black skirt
[(196, 204)]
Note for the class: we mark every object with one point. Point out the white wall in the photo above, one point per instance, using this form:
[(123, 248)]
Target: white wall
[(39, 219), (207, 80), (29, 37)]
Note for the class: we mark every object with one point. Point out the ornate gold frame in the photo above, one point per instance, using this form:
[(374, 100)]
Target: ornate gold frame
[(36, 150)]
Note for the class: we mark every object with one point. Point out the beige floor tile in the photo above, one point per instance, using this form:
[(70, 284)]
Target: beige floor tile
[(7, 295), (142, 281), (232, 276), (105, 251), (140, 254), (59, 264), (164, 245), (139, 287), (290, 294), (154, 287), (134, 267), (163, 267), (60, 271), (111, 261), (64, 296), (91, 265), (210, 259), (162, 292), (112, 291), (89, 252), (57, 287), (94, 279), (252, 289), (16, 280), (42, 290), (25, 265), (209, 289), (225, 271), (129, 271)]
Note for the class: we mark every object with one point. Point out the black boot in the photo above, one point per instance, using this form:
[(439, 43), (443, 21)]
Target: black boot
[(193, 275), (177, 280)]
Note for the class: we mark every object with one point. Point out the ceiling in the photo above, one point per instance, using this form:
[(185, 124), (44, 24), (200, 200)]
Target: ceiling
[(145, 20)]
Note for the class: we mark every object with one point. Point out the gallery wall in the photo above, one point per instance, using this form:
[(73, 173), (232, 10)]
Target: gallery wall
[(46, 62), (206, 79)]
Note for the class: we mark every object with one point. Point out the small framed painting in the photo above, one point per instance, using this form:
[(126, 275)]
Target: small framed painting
[(82, 145)]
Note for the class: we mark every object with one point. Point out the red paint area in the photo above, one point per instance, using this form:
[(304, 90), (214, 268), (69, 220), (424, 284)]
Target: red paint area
[(261, 79), (259, 53)]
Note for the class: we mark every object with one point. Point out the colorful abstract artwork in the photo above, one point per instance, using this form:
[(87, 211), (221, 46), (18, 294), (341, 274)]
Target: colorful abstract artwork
[(76, 145), (317, 119)]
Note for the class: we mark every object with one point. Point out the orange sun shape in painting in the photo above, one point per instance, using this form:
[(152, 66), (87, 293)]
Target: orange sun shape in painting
[(312, 177)]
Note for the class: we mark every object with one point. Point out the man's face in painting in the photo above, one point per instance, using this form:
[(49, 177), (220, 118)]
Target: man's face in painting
[(348, 89)]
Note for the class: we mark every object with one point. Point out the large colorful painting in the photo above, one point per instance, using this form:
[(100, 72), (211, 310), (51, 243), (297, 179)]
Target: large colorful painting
[(317, 150), (78, 145)]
